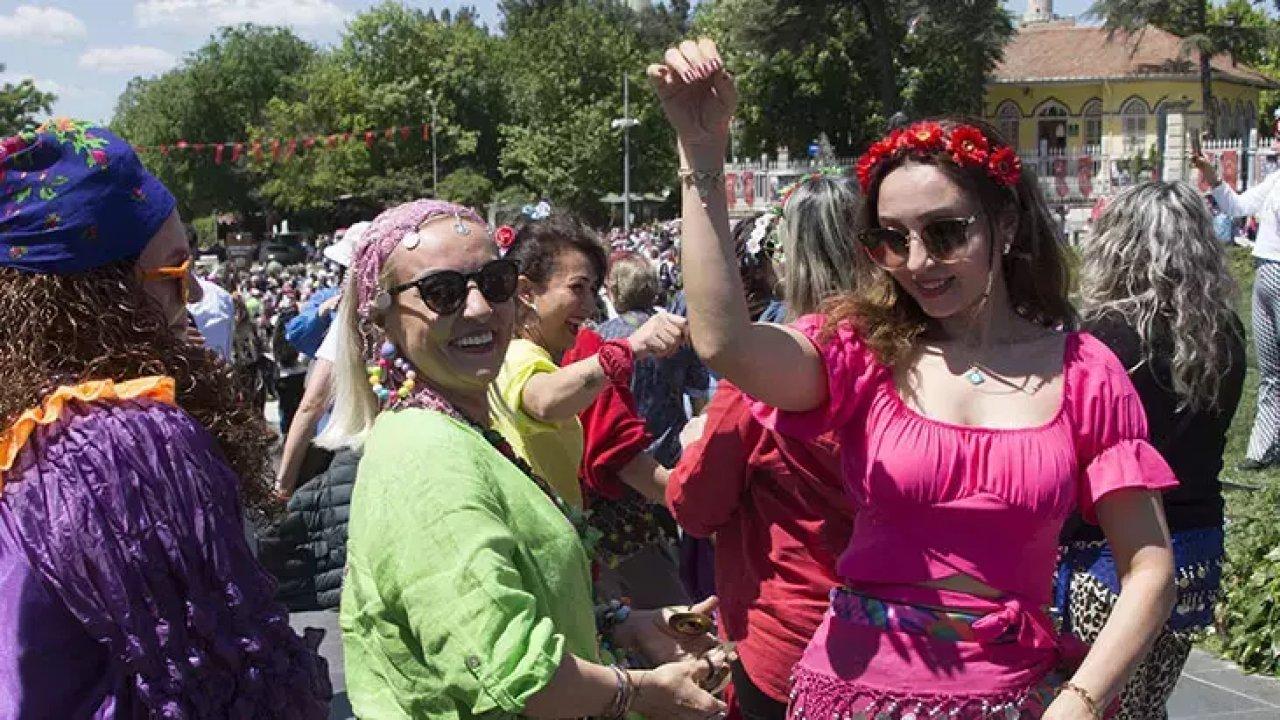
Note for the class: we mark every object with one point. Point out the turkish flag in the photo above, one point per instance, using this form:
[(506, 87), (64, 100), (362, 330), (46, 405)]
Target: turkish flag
[(275, 149), (426, 132), (290, 148), (308, 143), (404, 132), (368, 139), (257, 151), (235, 152), (332, 140), (217, 154)]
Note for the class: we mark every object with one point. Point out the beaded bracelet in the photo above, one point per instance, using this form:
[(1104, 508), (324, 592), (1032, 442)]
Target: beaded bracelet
[(702, 181), (612, 614), (1094, 709)]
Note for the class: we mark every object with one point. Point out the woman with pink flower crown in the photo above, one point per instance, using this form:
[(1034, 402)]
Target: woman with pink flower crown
[(971, 425)]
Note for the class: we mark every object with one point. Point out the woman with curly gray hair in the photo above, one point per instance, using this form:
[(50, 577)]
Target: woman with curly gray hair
[(1154, 287)]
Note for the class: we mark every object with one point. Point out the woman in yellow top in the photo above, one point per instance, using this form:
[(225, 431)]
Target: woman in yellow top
[(535, 402)]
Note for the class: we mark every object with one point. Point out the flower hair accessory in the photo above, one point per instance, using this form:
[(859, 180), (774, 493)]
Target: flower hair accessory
[(541, 211), (504, 237), (964, 145)]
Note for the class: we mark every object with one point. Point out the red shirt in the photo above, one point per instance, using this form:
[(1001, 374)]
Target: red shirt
[(780, 516)]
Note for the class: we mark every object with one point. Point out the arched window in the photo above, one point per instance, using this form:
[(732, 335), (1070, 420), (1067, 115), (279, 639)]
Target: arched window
[(1051, 127), (1092, 112), (1133, 123), (1008, 120)]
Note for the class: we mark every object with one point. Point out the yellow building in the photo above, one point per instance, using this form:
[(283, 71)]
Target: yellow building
[(1070, 90)]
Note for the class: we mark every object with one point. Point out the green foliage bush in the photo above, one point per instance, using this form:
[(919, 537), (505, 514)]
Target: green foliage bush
[(1249, 612)]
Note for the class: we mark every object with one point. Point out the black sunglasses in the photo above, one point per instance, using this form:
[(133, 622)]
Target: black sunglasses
[(943, 238), (445, 291)]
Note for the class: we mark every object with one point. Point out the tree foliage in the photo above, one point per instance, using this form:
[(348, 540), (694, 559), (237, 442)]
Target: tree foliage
[(807, 68), (216, 93), (393, 63), (21, 103)]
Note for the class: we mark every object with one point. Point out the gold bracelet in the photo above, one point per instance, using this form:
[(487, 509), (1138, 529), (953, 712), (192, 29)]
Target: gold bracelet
[(1084, 696)]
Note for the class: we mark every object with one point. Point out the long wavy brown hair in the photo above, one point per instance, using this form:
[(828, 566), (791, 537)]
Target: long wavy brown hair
[(99, 325), (1035, 270)]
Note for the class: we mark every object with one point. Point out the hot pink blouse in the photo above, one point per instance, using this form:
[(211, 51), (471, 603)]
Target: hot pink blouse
[(934, 499)]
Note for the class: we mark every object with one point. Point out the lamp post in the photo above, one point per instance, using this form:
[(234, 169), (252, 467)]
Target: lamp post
[(435, 169), (626, 122)]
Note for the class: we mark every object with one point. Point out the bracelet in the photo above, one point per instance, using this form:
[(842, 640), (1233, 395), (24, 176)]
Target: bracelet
[(617, 360), (702, 181), (624, 695), (1084, 696)]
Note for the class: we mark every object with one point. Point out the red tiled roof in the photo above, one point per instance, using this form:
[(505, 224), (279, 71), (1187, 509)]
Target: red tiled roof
[(1062, 51)]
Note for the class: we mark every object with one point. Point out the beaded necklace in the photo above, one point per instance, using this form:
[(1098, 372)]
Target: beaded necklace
[(419, 395)]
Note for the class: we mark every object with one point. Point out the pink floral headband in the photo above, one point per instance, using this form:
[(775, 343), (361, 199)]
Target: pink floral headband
[(966, 145)]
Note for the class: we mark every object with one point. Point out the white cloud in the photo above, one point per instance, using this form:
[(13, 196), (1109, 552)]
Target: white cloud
[(44, 84), (44, 25), (131, 59), (202, 14)]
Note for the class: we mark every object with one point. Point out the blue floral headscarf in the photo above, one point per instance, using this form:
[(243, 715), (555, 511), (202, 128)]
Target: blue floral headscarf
[(74, 197)]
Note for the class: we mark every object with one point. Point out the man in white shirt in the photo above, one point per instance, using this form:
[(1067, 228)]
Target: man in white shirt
[(215, 316), (1263, 202)]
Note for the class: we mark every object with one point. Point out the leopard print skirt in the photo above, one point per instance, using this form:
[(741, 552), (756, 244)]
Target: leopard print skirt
[(1087, 589)]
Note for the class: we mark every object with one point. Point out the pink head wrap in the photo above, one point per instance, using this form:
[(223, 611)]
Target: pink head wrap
[(386, 231)]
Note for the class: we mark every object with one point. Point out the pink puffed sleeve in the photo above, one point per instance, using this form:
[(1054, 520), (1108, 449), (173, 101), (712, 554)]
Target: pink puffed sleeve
[(1110, 428), (850, 369)]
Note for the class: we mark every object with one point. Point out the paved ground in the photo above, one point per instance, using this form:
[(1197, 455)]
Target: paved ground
[(1210, 689)]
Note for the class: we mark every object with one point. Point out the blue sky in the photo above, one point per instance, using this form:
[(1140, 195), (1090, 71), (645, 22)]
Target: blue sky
[(85, 51)]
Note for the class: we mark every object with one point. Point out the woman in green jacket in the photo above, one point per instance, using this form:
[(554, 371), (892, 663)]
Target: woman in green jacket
[(468, 588)]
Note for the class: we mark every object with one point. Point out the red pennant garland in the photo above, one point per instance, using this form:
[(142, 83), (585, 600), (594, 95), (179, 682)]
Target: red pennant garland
[(285, 148)]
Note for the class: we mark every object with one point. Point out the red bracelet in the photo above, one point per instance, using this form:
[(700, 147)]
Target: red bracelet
[(617, 359)]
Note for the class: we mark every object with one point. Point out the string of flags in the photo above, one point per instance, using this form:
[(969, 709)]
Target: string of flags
[(281, 149)]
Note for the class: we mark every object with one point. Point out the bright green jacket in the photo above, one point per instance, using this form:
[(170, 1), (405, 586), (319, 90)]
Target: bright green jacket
[(465, 584)]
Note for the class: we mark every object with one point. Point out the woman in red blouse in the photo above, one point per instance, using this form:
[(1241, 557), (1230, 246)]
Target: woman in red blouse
[(775, 504)]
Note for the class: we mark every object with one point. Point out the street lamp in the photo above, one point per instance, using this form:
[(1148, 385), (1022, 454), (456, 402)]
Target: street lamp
[(435, 169), (626, 122)]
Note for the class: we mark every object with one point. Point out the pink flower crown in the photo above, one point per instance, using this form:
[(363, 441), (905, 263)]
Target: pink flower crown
[(966, 145)]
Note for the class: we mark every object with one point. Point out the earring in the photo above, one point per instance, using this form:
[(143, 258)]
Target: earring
[(1007, 247), (380, 374), (459, 227)]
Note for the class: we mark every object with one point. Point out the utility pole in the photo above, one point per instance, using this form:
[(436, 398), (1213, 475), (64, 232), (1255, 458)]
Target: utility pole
[(435, 168), (626, 122)]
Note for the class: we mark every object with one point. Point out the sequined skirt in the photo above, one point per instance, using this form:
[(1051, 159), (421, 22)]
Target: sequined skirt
[(877, 659)]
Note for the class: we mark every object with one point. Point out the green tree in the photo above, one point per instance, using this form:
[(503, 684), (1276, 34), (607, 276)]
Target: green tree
[(1204, 29), (391, 65), (564, 87), (20, 104), (806, 68), (215, 95)]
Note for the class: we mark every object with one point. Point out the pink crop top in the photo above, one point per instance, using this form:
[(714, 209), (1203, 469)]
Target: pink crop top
[(933, 499)]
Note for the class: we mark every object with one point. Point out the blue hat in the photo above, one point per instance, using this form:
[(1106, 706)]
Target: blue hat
[(74, 197)]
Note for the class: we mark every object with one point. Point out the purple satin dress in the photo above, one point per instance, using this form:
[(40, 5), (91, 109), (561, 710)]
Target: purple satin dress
[(127, 589)]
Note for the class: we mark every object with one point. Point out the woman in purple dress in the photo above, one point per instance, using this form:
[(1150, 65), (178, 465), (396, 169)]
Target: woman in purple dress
[(127, 588)]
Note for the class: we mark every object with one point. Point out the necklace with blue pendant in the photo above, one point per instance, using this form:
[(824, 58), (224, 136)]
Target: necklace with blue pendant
[(975, 376)]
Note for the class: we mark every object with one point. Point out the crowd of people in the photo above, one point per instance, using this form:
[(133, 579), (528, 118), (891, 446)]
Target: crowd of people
[(856, 457)]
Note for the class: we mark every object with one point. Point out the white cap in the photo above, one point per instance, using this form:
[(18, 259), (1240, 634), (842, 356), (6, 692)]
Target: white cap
[(344, 250)]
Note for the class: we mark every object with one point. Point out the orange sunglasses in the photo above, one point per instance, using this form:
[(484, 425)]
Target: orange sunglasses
[(181, 273)]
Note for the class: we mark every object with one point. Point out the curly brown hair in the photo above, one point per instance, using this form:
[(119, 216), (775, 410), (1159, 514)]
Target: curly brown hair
[(1035, 270), (67, 329)]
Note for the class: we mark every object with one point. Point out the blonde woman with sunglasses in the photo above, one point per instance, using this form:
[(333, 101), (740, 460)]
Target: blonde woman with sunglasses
[(971, 426)]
